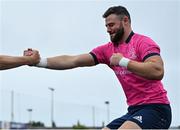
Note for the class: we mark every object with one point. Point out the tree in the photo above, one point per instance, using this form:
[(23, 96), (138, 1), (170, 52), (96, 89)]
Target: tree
[(54, 124), (79, 126), (36, 124)]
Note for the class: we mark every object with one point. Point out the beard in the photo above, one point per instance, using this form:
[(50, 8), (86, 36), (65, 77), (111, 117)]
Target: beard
[(118, 36)]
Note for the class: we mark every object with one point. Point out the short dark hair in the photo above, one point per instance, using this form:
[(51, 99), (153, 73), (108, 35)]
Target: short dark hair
[(118, 10)]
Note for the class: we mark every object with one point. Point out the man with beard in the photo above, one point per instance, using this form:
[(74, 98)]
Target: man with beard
[(9, 62), (137, 63)]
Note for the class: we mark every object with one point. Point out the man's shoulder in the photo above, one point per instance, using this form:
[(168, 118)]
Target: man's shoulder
[(106, 45), (142, 39), (141, 36)]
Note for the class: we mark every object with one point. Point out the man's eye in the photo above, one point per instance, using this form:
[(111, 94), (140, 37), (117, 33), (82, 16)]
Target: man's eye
[(110, 25)]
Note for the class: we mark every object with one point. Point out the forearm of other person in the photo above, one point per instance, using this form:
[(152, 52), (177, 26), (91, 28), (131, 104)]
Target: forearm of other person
[(8, 62), (152, 68), (68, 62)]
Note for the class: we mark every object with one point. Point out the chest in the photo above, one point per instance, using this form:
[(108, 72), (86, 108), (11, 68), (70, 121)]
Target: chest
[(128, 51)]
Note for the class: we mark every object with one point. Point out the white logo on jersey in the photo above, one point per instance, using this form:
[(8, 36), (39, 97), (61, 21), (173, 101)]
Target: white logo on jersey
[(139, 118)]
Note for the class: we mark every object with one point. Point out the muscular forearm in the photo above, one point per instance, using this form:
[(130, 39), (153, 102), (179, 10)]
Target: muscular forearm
[(61, 62), (149, 70), (7, 62), (68, 62)]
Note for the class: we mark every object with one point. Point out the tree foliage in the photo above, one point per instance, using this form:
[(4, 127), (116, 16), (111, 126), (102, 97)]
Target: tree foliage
[(79, 126), (36, 124)]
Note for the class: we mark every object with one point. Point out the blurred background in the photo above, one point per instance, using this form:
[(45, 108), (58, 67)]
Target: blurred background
[(88, 96)]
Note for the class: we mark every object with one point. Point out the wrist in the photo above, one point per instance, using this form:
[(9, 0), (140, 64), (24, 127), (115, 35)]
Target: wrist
[(42, 63), (124, 62), (26, 60)]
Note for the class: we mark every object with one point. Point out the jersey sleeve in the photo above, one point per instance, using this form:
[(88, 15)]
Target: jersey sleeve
[(148, 48), (99, 54)]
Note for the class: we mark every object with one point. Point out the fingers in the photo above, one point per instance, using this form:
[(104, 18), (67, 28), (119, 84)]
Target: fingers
[(115, 58), (29, 49), (28, 52), (33, 56)]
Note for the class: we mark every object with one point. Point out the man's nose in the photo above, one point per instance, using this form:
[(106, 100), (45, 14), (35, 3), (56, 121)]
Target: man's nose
[(109, 30)]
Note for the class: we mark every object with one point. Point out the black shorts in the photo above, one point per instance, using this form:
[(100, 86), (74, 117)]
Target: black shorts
[(150, 116)]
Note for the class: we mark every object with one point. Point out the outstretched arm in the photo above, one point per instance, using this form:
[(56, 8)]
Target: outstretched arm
[(152, 68), (68, 62), (8, 62)]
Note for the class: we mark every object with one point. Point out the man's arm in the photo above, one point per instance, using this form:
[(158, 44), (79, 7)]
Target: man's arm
[(152, 68), (68, 62), (8, 62)]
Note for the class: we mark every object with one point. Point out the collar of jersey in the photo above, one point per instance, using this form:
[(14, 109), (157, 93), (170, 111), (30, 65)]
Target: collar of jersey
[(129, 37)]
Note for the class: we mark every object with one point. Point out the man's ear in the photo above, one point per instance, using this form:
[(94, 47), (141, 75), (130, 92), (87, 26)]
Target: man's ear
[(126, 20)]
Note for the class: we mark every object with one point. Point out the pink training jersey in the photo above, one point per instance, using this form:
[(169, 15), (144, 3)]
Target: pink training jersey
[(138, 90)]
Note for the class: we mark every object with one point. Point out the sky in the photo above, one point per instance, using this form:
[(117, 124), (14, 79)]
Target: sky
[(56, 27)]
